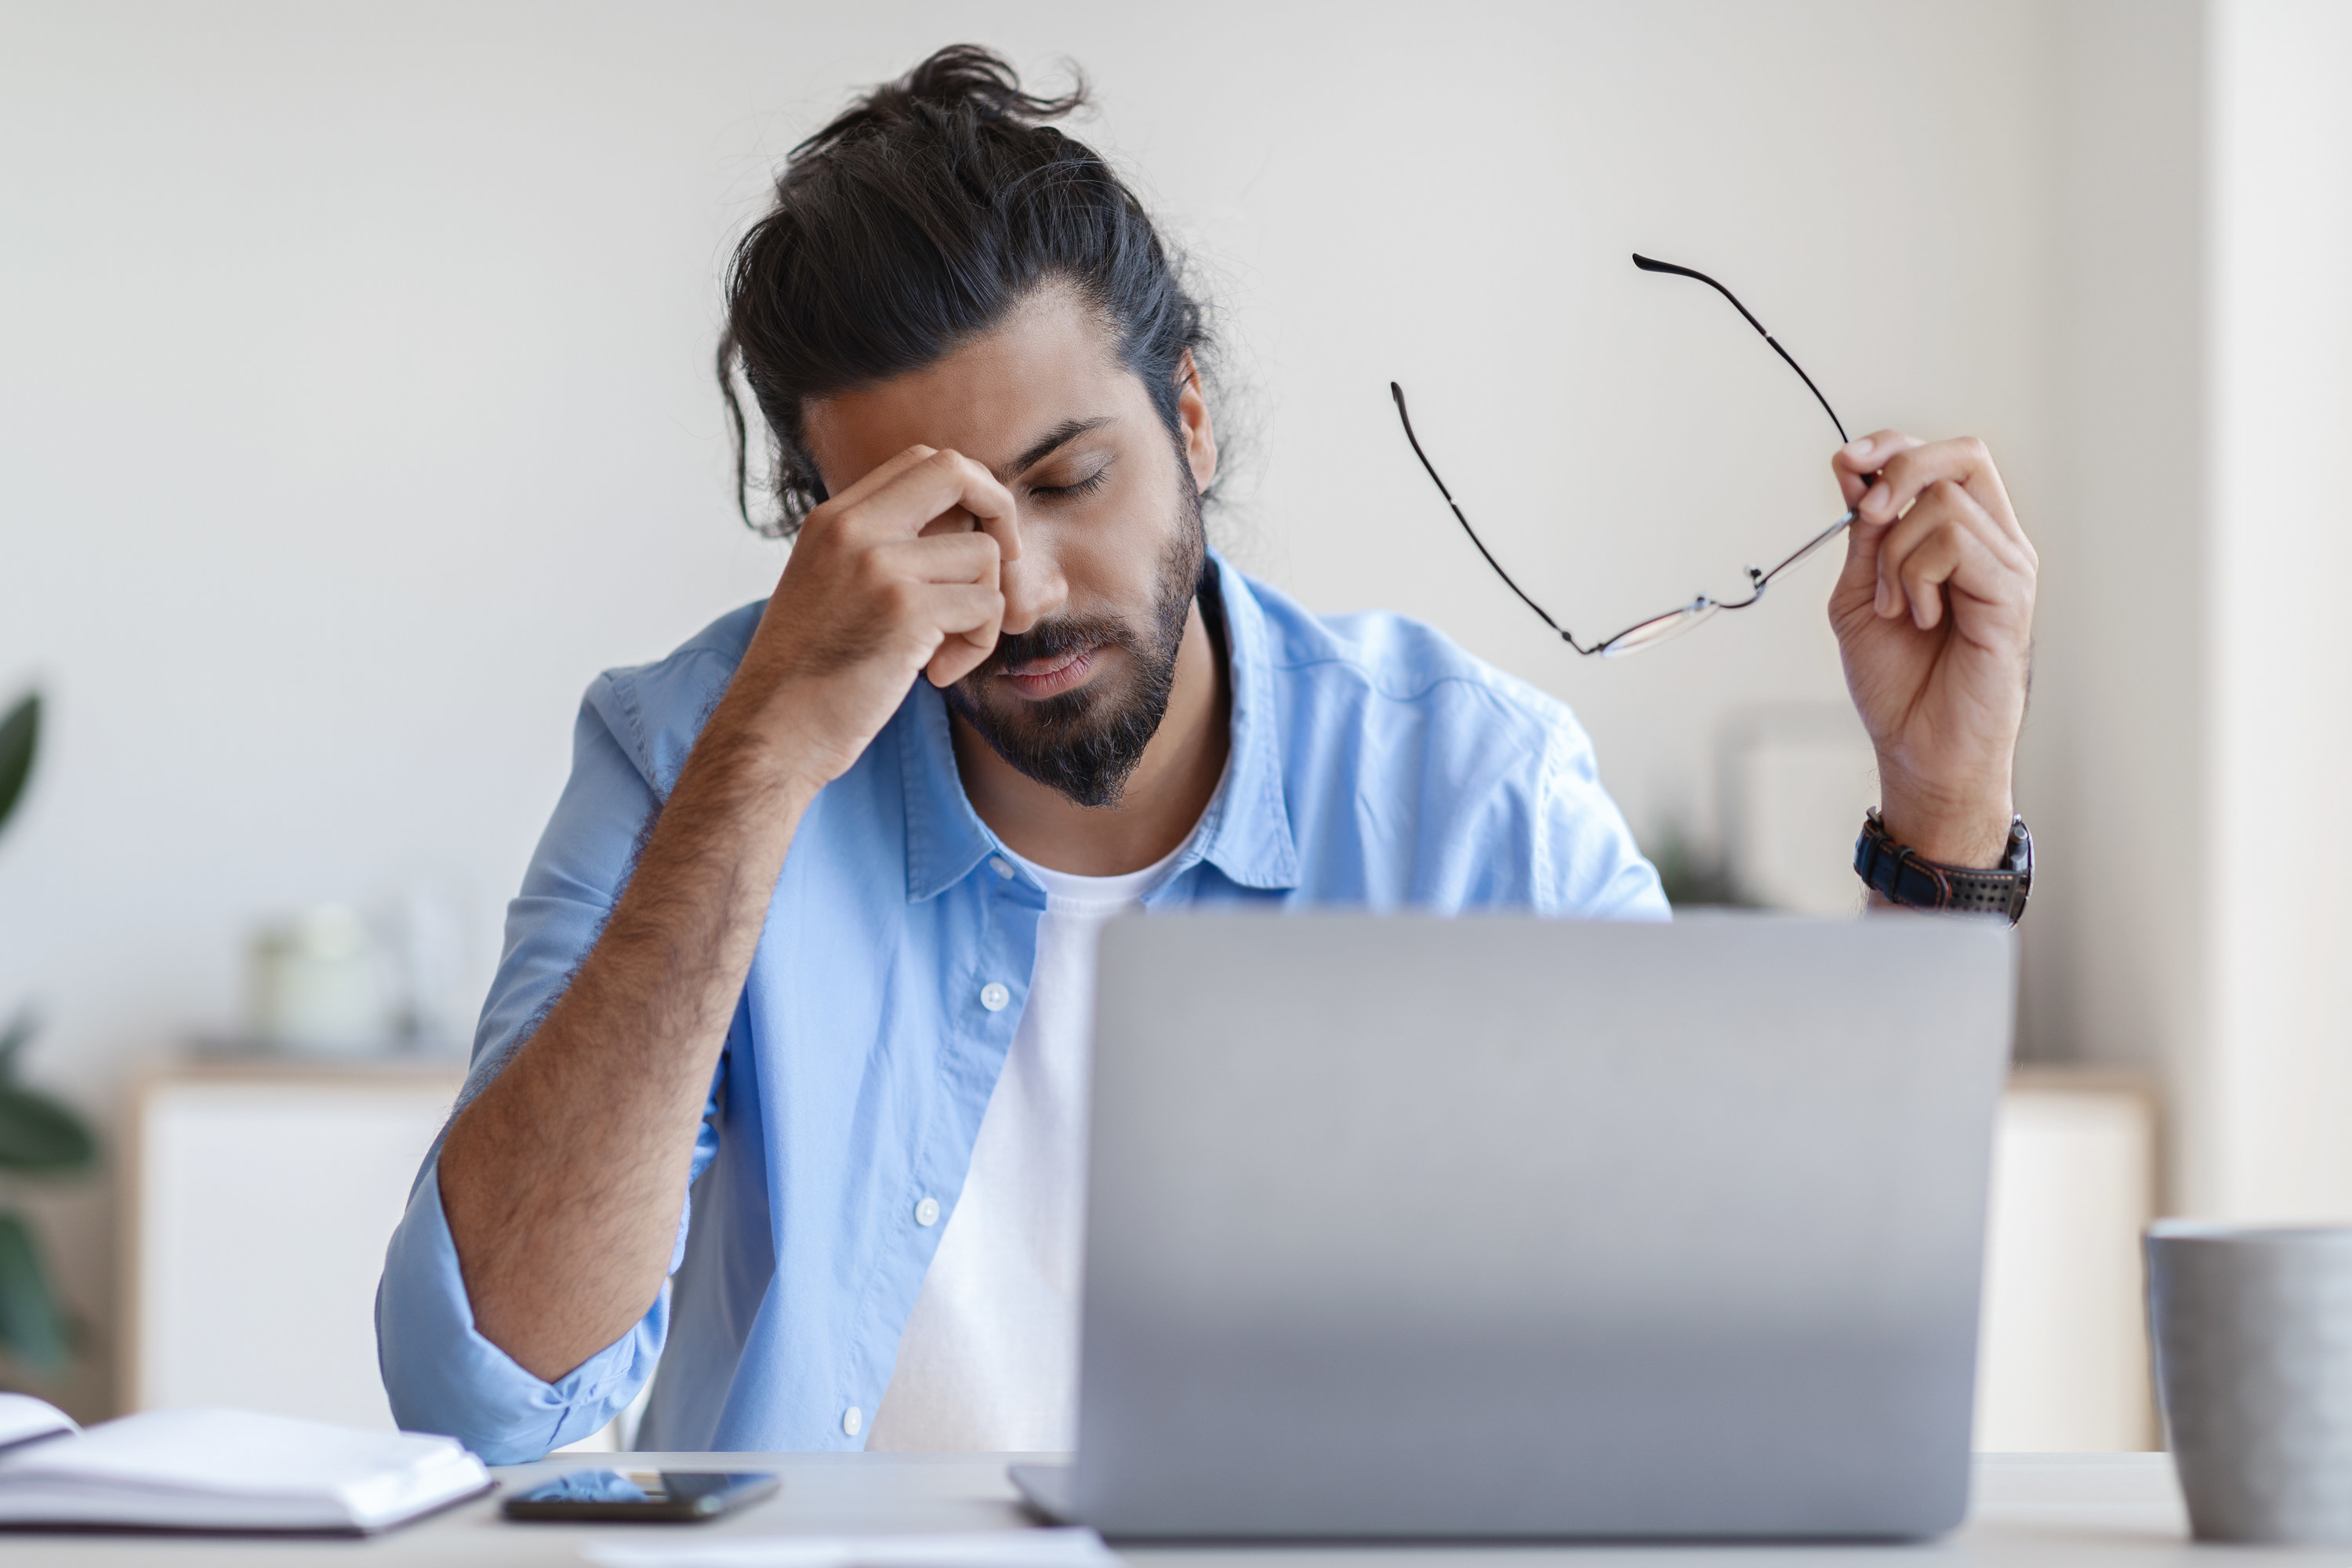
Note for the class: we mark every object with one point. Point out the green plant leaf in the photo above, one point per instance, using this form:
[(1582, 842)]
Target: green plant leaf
[(20, 1029), (38, 1134), (31, 1328), (19, 732)]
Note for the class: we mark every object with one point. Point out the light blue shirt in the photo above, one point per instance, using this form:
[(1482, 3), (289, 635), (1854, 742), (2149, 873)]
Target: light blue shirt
[(1373, 763)]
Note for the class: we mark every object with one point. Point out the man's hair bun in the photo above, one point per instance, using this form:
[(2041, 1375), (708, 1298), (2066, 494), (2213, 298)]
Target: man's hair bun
[(961, 83)]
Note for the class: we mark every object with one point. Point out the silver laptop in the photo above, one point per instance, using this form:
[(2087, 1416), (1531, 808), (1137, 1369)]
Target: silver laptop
[(1404, 1226)]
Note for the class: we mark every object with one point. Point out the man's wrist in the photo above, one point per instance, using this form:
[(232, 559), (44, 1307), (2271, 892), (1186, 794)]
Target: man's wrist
[(739, 769), (759, 743), (1969, 830)]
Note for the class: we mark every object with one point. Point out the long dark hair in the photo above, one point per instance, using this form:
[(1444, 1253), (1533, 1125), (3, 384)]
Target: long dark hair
[(914, 223)]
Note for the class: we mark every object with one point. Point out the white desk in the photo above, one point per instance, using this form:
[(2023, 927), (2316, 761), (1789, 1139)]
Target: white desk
[(2119, 1511)]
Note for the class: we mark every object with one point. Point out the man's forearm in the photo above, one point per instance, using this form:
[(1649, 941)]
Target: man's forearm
[(563, 1181)]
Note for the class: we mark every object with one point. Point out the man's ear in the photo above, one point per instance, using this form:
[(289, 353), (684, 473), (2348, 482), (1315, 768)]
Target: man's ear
[(1192, 413)]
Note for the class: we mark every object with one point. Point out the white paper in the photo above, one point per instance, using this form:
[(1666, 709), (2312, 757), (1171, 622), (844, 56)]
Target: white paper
[(24, 1419), (1054, 1547)]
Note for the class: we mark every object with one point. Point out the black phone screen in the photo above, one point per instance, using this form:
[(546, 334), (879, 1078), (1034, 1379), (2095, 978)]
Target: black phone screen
[(641, 1494)]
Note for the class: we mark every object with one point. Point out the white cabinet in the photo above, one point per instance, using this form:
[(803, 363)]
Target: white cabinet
[(261, 1195), (2064, 1363)]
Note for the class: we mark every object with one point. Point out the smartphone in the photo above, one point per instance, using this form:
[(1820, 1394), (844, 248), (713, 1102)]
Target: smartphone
[(618, 1495)]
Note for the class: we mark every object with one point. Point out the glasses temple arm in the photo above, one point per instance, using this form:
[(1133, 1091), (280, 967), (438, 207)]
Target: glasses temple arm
[(1809, 387), (1567, 636), (1648, 264)]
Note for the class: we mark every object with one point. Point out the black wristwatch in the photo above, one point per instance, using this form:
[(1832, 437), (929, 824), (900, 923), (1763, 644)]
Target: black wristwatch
[(1900, 875)]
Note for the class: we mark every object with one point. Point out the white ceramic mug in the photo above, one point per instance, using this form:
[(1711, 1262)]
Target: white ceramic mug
[(2252, 1331)]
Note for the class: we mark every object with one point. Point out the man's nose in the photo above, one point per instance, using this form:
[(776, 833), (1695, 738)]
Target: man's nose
[(1033, 587)]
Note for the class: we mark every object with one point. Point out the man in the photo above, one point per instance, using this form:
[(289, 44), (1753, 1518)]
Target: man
[(810, 933)]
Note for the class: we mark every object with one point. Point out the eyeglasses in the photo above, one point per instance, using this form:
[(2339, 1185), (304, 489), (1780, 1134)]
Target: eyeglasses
[(1650, 633)]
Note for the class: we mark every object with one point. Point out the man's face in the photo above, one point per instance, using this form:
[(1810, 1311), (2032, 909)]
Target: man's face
[(1111, 541)]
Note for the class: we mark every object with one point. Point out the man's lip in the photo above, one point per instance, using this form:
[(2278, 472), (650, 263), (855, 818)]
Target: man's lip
[(1047, 664), (1053, 675)]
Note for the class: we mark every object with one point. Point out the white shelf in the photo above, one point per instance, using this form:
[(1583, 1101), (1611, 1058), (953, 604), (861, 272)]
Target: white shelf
[(261, 1194)]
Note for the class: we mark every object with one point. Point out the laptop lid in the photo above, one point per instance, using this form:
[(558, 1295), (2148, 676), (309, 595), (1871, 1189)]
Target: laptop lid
[(1418, 1226)]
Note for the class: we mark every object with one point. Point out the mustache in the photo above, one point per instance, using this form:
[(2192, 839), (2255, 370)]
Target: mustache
[(1051, 639)]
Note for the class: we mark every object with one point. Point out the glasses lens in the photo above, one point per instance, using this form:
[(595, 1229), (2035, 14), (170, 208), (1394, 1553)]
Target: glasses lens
[(1658, 629), (1812, 544)]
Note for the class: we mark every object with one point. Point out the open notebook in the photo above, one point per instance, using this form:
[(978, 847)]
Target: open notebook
[(221, 1469)]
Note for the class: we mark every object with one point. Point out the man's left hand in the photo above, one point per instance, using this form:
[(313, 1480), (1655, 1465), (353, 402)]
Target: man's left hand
[(1934, 617)]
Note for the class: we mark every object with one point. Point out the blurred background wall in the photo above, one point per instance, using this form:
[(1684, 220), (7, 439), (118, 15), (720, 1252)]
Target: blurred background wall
[(355, 409)]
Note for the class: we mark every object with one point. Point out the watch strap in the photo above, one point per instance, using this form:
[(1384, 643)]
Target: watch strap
[(1901, 874)]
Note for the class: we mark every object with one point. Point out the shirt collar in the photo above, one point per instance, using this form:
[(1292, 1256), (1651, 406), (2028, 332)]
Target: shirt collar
[(1246, 834)]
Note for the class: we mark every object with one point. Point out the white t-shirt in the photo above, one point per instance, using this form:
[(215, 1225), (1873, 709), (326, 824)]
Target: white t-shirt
[(989, 1358)]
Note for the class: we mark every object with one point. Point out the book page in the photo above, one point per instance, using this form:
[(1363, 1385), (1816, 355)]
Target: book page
[(24, 1419)]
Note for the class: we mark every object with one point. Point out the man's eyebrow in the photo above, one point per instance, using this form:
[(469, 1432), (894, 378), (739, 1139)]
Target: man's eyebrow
[(1061, 435)]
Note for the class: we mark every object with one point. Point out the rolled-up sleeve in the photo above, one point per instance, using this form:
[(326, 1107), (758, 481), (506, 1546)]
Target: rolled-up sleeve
[(440, 1374), (444, 1376)]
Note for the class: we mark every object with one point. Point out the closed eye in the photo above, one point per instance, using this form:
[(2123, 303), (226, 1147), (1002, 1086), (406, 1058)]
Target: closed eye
[(1085, 486)]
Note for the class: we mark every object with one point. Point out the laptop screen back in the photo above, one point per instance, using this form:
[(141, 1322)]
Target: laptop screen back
[(1494, 1225)]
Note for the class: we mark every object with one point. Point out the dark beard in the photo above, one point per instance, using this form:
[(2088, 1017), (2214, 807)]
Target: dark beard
[(1085, 744)]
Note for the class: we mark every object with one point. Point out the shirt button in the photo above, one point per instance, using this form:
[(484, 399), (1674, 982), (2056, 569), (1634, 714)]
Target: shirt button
[(853, 1421), (928, 1212), (1000, 865), (994, 996)]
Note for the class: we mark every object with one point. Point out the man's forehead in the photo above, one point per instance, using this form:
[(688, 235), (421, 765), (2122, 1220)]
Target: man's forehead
[(1045, 376)]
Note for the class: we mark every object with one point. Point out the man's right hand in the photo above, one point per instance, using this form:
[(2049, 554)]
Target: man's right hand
[(563, 1181), (896, 575)]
